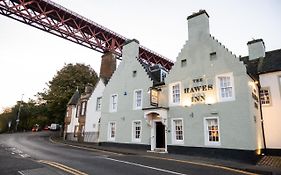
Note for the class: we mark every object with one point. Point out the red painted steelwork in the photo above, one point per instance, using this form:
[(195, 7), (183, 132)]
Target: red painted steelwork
[(55, 19)]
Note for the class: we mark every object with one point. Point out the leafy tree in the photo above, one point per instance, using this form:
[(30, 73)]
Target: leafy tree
[(63, 85)]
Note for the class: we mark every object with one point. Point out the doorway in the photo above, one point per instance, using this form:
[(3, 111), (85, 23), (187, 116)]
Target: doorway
[(160, 135)]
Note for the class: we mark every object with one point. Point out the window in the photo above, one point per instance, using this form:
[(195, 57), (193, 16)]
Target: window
[(163, 75), (76, 129), (213, 56), (98, 107), (177, 131), (69, 111), (225, 87), (134, 73), (265, 96), (175, 93), (77, 111), (83, 108), (183, 63), (136, 131), (82, 130), (138, 99), (113, 103), (212, 134), (111, 131)]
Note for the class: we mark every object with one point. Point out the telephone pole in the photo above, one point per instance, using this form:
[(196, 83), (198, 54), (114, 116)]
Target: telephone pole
[(18, 116)]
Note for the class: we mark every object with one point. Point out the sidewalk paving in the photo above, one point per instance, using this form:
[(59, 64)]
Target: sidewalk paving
[(268, 165)]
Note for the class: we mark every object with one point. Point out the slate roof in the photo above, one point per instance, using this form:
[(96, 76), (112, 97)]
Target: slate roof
[(153, 71), (74, 99), (270, 63)]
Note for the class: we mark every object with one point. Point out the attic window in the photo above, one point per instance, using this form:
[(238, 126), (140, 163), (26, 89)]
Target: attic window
[(183, 63), (213, 56), (134, 73)]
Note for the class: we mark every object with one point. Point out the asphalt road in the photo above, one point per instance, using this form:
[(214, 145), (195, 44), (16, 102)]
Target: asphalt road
[(24, 153)]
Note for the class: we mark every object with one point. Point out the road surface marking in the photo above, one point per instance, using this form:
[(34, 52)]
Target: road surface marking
[(203, 164), (84, 148), (144, 166), (21, 173), (63, 167)]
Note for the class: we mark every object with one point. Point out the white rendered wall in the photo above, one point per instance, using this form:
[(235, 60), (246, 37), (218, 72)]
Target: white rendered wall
[(272, 112), (92, 115), (74, 120)]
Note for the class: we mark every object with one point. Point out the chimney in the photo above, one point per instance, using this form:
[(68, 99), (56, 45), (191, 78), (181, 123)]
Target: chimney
[(198, 25), (89, 88), (130, 50), (108, 66), (256, 49)]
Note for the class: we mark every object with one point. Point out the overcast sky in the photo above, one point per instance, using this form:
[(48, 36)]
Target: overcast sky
[(30, 57)]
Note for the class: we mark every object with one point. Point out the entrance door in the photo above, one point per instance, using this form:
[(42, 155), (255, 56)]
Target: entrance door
[(160, 135)]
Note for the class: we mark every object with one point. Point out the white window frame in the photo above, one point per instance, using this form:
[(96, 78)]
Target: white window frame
[(174, 139), (218, 87), (98, 103), (279, 82), (135, 99), (109, 134), (262, 96), (83, 108), (76, 130), (171, 95), (163, 75), (134, 139), (206, 132), (111, 103)]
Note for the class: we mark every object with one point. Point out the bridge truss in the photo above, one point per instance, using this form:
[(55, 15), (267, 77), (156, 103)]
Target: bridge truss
[(55, 19)]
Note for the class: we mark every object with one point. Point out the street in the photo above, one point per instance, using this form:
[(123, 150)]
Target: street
[(33, 152)]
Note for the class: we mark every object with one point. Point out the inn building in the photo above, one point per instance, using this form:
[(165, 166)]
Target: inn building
[(208, 103)]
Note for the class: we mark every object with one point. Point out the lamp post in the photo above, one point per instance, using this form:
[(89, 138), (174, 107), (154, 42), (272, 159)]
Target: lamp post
[(18, 116)]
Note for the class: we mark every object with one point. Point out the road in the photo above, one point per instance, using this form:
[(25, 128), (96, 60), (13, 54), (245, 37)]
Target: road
[(34, 152)]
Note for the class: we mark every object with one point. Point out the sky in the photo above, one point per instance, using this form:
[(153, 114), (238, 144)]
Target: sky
[(29, 58)]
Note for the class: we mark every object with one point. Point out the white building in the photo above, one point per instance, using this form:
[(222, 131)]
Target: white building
[(71, 119), (266, 68), (83, 123), (208, 104)]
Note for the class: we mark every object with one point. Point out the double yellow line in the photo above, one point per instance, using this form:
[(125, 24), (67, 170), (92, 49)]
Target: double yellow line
[(62, 167)]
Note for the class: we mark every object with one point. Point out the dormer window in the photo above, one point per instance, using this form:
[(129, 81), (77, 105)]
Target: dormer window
[(163, 75)]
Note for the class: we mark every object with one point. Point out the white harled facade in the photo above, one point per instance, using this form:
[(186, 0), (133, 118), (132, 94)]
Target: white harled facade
[(209, 101), (93, 113)]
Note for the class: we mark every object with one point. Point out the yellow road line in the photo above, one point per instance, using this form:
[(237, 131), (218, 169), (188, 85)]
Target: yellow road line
[(203, 164), (63, 167)]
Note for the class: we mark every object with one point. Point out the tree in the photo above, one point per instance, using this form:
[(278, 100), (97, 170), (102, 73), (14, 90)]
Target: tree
[(63, 85)]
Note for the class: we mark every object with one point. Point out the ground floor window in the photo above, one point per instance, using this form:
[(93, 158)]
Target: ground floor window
[(111, 131), (76, 129), (136, 131), (177, 131), (82, 130), (212, 134)]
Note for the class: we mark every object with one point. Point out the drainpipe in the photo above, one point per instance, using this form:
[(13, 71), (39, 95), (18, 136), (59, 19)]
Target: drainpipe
[(262, 125)]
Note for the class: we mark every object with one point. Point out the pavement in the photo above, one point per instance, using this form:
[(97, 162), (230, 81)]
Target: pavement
[(268, 165)]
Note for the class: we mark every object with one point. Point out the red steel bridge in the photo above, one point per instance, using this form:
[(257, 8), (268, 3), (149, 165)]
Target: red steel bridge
[(55, 19)]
